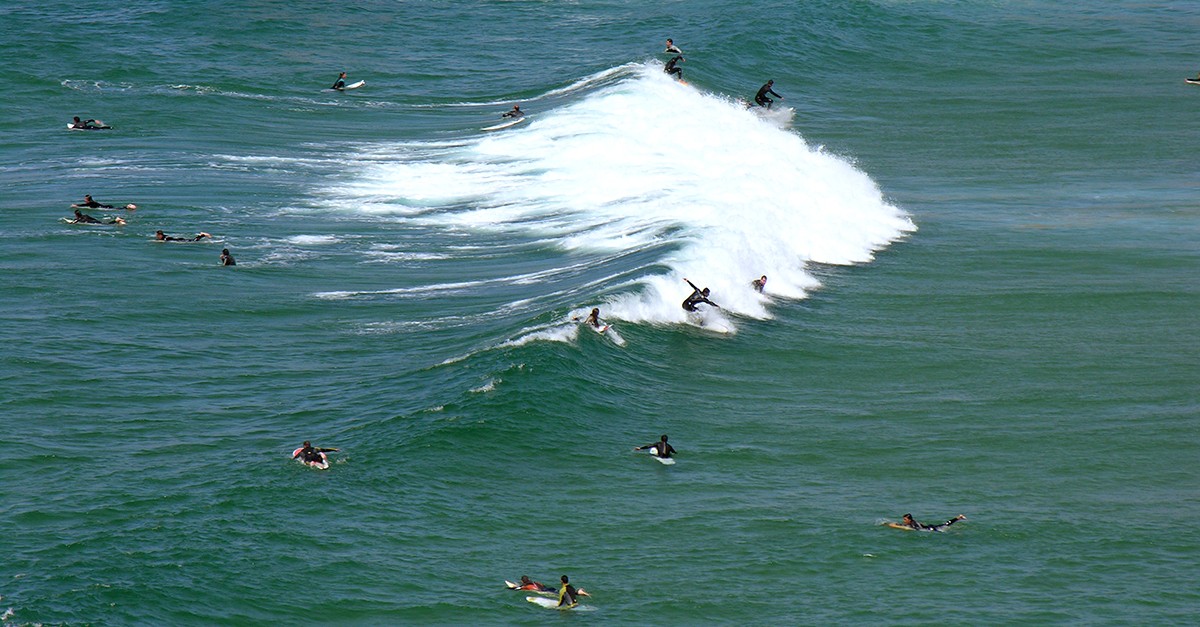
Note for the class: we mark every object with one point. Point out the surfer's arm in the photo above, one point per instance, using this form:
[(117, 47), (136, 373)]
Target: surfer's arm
[(692, 284), (327, 450), (705, 300)]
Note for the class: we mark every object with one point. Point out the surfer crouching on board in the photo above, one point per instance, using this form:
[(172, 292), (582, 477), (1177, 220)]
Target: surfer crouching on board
[(593, 318), (162, 237), (670, 68), (311, 455), (515, 114), (661, 448), (761, 99), (698, 296), (759, 283), (912, 524)]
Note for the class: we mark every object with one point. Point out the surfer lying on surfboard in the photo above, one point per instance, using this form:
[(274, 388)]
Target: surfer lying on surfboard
[(162, 237), (661, 448), (515, 114), (313, 456), (909, 523), (83, 218), (89, 203)]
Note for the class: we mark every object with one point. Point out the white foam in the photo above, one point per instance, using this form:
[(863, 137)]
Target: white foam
[(313, 240), (642, 161)]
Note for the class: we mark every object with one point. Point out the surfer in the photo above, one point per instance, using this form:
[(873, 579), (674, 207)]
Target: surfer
[(698, 296), (83, 218), (567, 593), (90, 203), (160, 236), (761, 99), (86, 124), (593, 318), (340, 83), (675, 71), (226, 258), (515, 114), (536, 586), (759, 283), (672, 48), (661, 448), (912, 524), (310, 454)]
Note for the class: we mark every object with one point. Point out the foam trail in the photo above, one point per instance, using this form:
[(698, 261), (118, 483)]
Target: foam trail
[(643, 162)]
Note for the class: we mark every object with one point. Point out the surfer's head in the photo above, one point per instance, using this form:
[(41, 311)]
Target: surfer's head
[(87, 197), (564, 579), (525, 579), (704, 291), (670, 41), (77, 214), (771, 82), (77, 119), (664, 437), (908, 518)]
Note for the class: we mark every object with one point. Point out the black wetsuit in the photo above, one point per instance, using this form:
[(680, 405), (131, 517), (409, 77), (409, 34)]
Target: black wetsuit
[(923, 527), (312, 455), (227, 260), (340, 84), (92, 204), (661, 449), (696, 298), (514, 114), (83, 218), (761, 97), (168, 238), (671, 69)]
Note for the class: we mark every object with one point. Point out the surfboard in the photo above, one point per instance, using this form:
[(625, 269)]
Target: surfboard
[(101, 127), (322, 465), (665, 461), (602, 329), (550, 603), (355, 85), (505, 124), (1194, 81)]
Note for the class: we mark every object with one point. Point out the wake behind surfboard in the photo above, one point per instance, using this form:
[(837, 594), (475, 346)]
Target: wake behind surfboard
[(550, 603), (504, 125)]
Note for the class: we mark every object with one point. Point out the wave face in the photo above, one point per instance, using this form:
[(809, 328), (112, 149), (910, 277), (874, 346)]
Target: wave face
[(635, 162)]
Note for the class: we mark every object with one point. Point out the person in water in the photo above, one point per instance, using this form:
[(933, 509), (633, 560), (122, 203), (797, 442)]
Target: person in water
[(90, 124), (661, 448), (567, 594), (83, 218), (516, 113), (593, 318), (340, 83), (672, 48), (912, 524), (536, 586), (160, 236), (759, 283), (761, 99), (310, 454), (91, 203), (226, 258), (670, 68), (698, 296)]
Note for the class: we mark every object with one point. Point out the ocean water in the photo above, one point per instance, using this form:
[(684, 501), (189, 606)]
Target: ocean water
[(979, 221)]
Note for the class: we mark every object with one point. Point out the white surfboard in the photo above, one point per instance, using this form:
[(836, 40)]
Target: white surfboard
[(504, 124), (549, 603), (665, 461), (355, 85)]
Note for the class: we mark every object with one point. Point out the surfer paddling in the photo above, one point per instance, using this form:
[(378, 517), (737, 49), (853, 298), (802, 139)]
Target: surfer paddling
[(312, 455), (761, 99), (91, 203), (698, 296), (83, 218), (516, 113), (661, 448), (162, 237), (535, 586), (909, 523), (87, 125)]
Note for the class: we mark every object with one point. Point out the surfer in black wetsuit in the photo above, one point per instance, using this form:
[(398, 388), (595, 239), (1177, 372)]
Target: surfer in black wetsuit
[(92, 204), (515, 114), (340, 83), (759, 283), (593, 318), (661, 448), (912, 524), (160, 236), (672, 48), (86, 124), (226, 258), (761, 99), (567, 593), (698, 296), (83, 218), (310, 454), (671, 69)]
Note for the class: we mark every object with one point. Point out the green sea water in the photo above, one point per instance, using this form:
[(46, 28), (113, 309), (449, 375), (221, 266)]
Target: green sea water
[(978, 219)]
